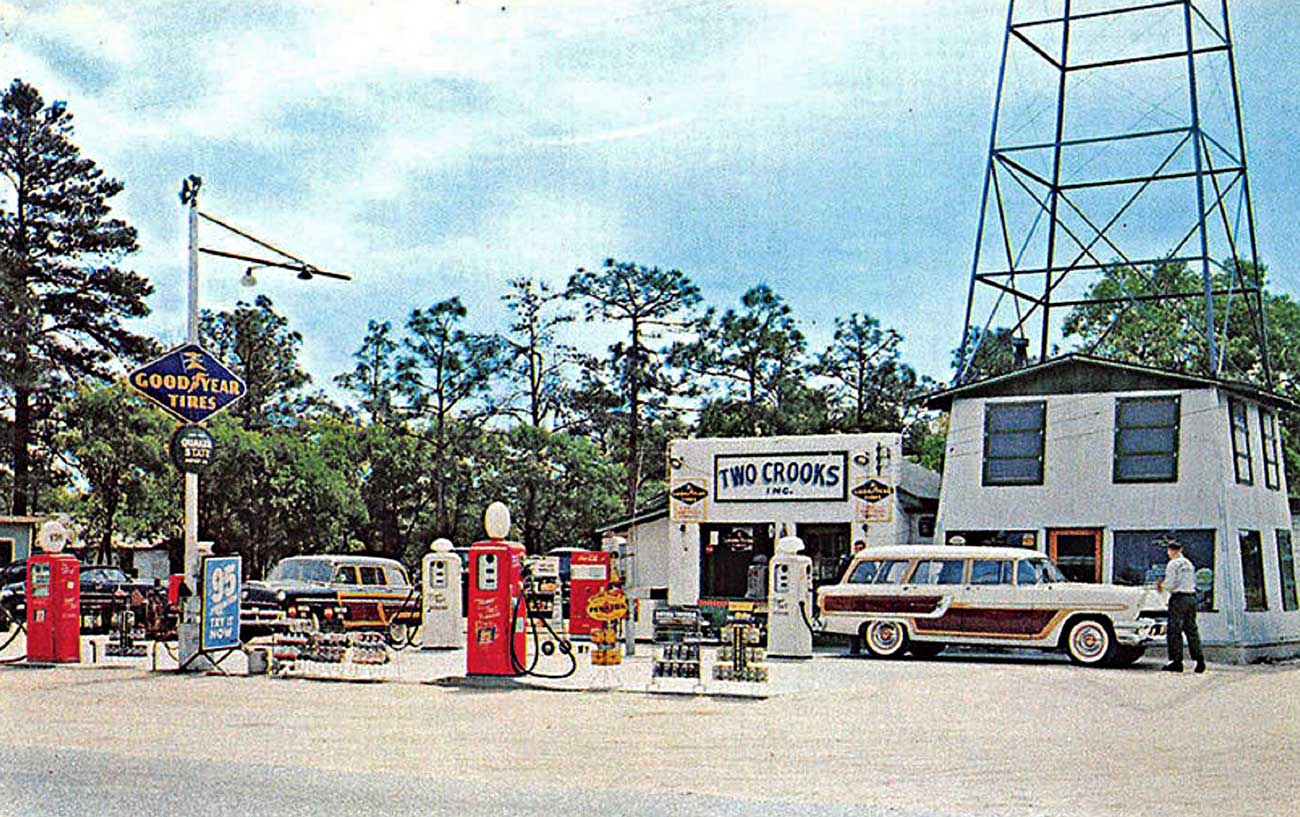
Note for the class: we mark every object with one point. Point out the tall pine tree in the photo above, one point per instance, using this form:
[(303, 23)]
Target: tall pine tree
[(63, 299)]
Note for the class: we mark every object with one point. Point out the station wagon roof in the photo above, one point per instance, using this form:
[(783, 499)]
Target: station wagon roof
[(346, 559), (946, 552)]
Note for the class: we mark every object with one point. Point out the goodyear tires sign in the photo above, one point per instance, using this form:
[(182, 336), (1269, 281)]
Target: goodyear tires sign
[(188, 383)]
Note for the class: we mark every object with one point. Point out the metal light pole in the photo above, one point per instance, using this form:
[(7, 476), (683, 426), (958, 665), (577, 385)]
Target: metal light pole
[(187, 629)]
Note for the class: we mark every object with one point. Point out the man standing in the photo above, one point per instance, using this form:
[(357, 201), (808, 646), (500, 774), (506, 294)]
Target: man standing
[(1180, 582)]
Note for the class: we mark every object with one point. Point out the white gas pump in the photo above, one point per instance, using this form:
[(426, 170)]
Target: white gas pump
[(443, 627), (789, 601)]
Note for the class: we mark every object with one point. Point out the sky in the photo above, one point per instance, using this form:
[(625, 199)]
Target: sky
[(832, 150)]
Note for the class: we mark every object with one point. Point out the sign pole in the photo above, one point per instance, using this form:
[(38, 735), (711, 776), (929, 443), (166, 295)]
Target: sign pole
[(187, 633)]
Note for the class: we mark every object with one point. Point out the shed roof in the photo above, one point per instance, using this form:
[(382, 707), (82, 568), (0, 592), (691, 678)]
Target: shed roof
[(1081, 374)]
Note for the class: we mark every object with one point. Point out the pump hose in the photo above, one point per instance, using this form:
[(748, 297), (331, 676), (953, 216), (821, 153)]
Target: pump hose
[(803, 612), (565, 645), (399, 644)]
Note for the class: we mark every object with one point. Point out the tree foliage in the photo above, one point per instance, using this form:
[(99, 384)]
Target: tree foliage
[(255, 341), (118, 446), (63, 297), (648, 301)]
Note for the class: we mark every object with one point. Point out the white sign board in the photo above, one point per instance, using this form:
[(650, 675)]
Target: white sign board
[(777, 477)]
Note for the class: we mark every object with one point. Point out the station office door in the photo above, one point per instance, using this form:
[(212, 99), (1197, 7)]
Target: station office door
[(1077, 551), (726, 552), (828, 547)]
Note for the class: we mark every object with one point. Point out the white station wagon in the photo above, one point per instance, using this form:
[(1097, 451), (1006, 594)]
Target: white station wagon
[(922, 598)]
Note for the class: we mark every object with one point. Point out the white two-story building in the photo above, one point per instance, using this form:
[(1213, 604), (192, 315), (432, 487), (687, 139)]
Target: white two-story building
[(1096, 462)]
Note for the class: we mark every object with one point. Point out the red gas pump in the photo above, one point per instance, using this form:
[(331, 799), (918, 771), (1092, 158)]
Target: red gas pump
[(54, 608), (496, 618), (588, 575)]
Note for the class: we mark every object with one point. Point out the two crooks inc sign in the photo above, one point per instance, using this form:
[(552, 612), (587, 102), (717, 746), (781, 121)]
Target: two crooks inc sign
[(188, 383)]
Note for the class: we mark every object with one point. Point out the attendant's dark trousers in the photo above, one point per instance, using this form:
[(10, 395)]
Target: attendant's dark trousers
[(1182, 619)]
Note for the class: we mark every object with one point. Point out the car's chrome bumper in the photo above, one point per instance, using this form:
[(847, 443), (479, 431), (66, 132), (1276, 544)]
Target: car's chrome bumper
[(1141, 632)]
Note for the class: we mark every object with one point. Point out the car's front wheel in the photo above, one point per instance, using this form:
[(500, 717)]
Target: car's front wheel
[(884, 639), (1090, 643)]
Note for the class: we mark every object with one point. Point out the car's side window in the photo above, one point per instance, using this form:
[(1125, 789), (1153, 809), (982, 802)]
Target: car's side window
[(938, 571), (990, 571), (892, 573), (395, 576), (865, 572), (1028, 572), (345, 574), (372, 575)]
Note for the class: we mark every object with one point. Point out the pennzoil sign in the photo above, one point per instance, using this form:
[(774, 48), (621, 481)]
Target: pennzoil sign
[(188, 383)]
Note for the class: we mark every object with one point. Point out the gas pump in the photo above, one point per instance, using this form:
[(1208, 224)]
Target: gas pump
[(589, 575), (442, 627), (53, 600), (497, 618), (789, 598)]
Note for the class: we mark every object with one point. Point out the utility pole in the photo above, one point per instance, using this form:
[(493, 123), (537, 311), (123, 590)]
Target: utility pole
[(187, 629)]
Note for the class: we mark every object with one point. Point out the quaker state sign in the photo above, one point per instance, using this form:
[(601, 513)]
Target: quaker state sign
[(188, 383)]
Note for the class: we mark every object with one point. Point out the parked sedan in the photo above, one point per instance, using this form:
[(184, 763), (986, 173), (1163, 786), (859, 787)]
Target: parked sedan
[(338, 592)]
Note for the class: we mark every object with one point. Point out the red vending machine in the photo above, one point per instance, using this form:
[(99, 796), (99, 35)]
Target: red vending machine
[(588, 575), (54, 608), (497, 619)]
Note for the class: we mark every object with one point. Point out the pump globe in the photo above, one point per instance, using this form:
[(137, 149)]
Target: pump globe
[(789, 544), (496, 520), (441, 545)]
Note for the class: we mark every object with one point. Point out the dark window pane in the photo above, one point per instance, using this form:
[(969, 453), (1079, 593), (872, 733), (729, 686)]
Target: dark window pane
[(1140, 558), (1252, 570), (1147, 440), (993, 538), (1016, 417), (1145, 467), (1015, 444), (1148, 412), (1018, 471), (1286, 569)]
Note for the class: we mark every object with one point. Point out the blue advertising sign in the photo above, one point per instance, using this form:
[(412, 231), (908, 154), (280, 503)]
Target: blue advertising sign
[(222, 577), (188, 383)]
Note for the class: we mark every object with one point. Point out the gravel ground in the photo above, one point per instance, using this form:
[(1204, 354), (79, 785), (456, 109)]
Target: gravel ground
[(959, 735)]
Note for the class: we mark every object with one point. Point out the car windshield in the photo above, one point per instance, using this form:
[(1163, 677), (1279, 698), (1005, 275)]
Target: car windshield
[(103, 574), (302, 570)]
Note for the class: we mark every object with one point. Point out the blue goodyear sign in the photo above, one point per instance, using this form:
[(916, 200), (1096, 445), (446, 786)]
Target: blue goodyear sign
[(188, 383), (222, 577)]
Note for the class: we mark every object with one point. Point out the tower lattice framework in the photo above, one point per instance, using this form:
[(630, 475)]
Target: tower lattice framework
[(1117, 144)]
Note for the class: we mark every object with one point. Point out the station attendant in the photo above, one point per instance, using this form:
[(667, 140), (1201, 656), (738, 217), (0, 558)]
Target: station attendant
[(1180, 582)]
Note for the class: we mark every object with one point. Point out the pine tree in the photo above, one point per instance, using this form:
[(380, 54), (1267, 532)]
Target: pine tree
[(63, 299)]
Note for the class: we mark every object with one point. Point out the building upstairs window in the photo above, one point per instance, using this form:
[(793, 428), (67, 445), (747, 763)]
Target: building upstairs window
[(1241, 462), (1013, 443), (1272, 462), (1146, 439)]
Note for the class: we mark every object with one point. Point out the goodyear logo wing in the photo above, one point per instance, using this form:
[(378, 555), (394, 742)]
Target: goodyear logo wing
[(188, 383)]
